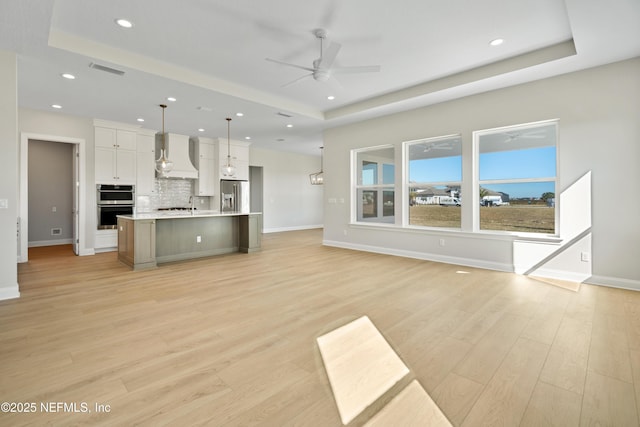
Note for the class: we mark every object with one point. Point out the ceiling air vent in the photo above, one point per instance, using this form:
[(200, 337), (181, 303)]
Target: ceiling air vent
[(283, 114), (106, 69)]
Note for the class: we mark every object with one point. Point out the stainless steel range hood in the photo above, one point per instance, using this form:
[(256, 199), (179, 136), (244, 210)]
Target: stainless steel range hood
[(177, 148)]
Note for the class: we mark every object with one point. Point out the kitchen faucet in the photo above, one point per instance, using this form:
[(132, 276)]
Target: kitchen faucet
[(192, 203)]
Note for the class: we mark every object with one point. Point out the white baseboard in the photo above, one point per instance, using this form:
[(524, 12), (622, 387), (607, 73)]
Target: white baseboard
[(101, 250), (87, 251), (298, 228), (467, 262), (38, 243), (9, 292), (614, 282)]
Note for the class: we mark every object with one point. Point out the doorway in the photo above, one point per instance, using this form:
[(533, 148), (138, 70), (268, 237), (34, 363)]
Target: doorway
[(78, 214), (50, 194)]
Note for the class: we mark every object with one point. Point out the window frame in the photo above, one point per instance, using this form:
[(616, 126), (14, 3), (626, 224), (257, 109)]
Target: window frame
[(406, 175), (380, 187), (476, 182)]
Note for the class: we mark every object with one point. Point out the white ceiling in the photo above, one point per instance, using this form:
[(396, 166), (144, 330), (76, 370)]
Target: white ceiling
[(211, 53)]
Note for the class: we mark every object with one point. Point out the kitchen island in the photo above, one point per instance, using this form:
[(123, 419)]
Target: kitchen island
[(151, 238)]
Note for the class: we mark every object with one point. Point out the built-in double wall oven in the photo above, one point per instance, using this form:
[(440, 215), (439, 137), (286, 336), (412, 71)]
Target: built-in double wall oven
[(114, 200)]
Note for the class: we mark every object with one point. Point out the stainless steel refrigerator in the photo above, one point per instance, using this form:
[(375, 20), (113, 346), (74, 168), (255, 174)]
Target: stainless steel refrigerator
[(234, 196)]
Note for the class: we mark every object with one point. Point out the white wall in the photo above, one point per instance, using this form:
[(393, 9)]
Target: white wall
[(290, 202), (598, 112), (8, 174)]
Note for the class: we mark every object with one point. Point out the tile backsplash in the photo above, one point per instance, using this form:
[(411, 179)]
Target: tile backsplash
[(169, 193)]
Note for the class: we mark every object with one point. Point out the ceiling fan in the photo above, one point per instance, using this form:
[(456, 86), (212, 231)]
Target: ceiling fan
[(322, 68)]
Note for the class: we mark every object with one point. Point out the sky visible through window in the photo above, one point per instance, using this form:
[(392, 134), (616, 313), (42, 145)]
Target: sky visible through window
[(539, 162), (439, 169)]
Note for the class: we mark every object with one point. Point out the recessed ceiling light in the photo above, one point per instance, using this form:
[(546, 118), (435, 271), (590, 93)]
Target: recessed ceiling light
[(289, 125), (171, 98), (124, 23), (56, 106), (239, 114), (200, 130), (68, 76), (496, 42), (331, 97), (140, 119), (247, 138)]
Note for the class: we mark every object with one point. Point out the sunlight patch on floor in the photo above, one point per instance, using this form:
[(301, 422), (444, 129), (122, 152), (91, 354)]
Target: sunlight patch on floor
[(360, 364), (565, 284), (412, 407)]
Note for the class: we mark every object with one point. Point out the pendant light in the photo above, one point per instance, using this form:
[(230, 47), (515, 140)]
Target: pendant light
[(163, 164), (228, 169), (318, 177)]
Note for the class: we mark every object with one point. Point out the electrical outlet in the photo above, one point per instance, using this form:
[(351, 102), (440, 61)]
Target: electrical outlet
[(54, 209), (198, 239), (441, 242), (584, 257)]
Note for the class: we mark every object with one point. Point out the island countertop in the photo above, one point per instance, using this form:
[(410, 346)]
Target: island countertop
[(173, 214)]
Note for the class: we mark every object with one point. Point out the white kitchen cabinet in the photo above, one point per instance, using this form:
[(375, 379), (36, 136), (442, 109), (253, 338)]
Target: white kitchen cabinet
[(106, 240), (145, 162), (205, 158), (115, 156)]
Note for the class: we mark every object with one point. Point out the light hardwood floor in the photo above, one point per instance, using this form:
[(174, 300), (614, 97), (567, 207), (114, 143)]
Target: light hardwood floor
[(231, 340)]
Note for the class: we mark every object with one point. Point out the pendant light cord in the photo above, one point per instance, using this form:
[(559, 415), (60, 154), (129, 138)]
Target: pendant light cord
[(164, 145), (228, 141)]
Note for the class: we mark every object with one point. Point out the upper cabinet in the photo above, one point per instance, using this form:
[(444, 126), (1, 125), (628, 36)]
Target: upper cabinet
[(115, 155), (204, 158), (145, 162)]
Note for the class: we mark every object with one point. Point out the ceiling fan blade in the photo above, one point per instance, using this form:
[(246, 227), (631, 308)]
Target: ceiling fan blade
[(357, 69), (290, 65), (297, 80), (329, 55)]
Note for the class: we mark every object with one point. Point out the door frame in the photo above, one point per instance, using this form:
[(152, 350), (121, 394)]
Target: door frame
[(79, 193)]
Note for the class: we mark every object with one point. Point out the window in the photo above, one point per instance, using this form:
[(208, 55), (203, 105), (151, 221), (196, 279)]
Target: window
[(434, 181), (517, 178), (375, 180)]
